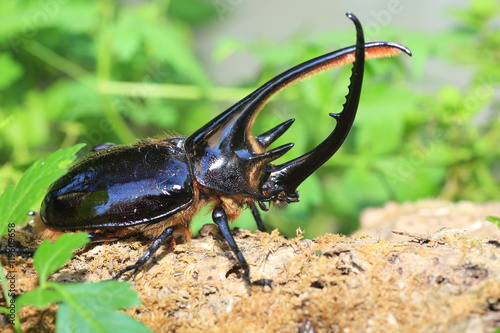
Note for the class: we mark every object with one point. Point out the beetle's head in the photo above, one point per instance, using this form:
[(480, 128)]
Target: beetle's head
[(226, 157)]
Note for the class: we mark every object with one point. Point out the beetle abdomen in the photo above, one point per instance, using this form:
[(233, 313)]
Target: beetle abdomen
[(121, 186)]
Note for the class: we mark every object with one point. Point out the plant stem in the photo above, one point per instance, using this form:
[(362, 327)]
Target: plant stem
[(55, 60), (103, 69), (171, 91), (8, 300)]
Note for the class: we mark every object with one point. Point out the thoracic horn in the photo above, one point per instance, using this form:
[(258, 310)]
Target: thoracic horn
[(227, 157)]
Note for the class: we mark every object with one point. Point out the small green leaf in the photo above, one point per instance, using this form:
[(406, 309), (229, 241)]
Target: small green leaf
[(69, 320), (39, 297), (97, 297), (494, 219), (49, 257), (89, 307), (15, 202)]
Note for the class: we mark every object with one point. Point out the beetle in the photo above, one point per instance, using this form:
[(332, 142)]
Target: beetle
[(154, 188)]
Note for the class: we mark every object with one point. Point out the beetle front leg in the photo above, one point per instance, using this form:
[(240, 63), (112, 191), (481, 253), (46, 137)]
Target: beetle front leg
[(149, 252), (220, 218)]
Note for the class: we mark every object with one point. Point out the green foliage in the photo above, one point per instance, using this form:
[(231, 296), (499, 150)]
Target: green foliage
[(106, 71), (90, 307), (49, 257), (16, 201), (71, 55), (494, 219), (103, 71)]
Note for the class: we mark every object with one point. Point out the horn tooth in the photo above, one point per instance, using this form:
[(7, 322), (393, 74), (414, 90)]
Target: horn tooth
[(335, 115), (265, 139), (275, 153)]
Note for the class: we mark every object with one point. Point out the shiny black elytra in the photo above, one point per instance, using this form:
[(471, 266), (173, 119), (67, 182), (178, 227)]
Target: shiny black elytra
[(155, 187)]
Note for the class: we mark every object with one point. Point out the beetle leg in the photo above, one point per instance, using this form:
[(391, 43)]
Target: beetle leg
[(220, 218), (258, 219), (149, 252)]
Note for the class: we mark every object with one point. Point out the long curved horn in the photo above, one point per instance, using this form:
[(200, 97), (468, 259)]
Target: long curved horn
[(225, 145), (288, 176)]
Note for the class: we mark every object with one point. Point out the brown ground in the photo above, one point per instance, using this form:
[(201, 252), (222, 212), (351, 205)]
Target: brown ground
[(426, 281)]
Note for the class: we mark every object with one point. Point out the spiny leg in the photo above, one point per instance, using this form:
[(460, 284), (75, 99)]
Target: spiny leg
[(220, 218), (258, 219), (149, 252)]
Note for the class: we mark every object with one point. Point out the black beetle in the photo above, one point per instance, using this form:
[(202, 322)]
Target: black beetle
[(155, 187)]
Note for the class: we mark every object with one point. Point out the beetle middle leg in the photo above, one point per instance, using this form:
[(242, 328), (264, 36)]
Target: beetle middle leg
[(258, 219), (168, 232)]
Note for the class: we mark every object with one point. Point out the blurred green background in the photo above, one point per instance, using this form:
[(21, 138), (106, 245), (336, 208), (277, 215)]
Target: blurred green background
[(120, 71)]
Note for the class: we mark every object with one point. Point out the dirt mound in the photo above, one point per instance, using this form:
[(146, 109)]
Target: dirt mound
[(444, 282)]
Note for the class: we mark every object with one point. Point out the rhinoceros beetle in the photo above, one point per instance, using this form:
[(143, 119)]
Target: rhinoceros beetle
[(154, 188)]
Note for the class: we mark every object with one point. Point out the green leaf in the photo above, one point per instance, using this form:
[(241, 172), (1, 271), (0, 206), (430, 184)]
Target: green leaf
[(167, 43), (126, 36), (97, 297), (39, 297), (494, 219), (15, 202), (89, 306), (380, 124), (192, 12), (69, 318), (50, 257)]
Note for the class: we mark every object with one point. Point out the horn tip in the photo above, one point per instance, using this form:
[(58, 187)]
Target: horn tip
[(351, 16), (267, 138), (275, 153)]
